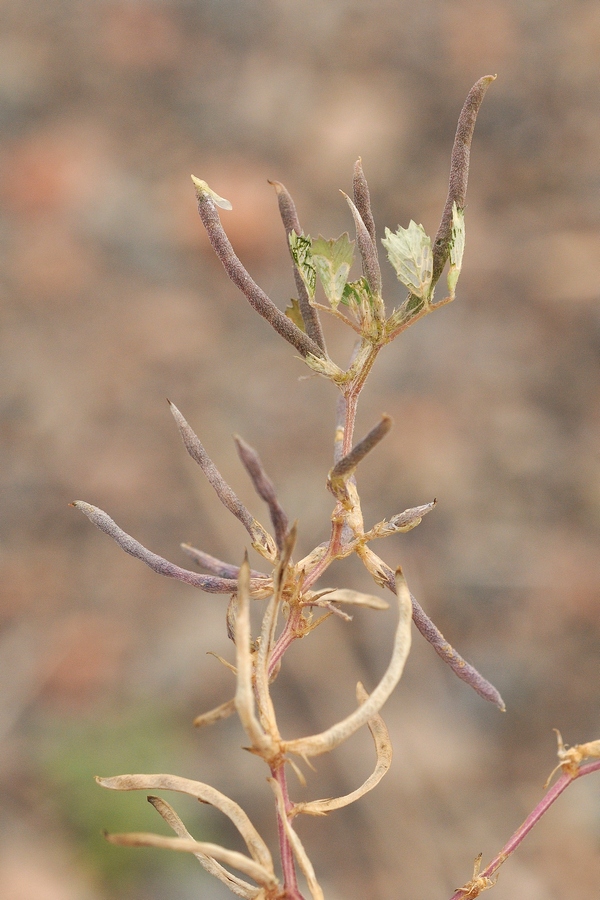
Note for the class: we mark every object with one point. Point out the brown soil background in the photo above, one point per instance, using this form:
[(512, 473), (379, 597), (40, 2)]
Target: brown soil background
[(111, 302)]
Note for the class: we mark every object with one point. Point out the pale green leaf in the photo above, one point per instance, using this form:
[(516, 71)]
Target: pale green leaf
[(409, 251), (332, 260), (300, 245)]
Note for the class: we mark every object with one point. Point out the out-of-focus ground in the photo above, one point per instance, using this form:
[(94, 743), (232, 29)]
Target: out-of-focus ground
[(112, 301)]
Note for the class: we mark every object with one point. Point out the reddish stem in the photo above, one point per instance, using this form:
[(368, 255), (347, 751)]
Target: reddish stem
[(290, 882), (532, 819)]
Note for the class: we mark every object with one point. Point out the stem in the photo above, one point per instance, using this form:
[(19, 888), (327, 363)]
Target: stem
[(532, 819), (290, 881)]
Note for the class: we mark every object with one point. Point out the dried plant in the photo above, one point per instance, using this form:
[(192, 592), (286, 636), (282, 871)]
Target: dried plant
[(296, 605)]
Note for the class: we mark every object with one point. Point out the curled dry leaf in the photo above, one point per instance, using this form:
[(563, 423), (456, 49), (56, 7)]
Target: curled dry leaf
[(353, 598)]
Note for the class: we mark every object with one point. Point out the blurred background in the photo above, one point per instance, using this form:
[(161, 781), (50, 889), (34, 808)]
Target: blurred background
[(112, 301)]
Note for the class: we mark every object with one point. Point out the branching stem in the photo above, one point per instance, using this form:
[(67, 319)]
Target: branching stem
[(472, 890)]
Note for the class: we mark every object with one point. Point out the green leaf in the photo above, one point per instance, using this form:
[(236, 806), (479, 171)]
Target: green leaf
[(294, 313), (300, 245), (457, 247), (332, 261), (409, 251)]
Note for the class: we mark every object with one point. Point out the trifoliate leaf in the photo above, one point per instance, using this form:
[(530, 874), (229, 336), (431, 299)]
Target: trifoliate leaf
[(332, 260), (457, 247), (293, 312), (409, 251), (300, 245)]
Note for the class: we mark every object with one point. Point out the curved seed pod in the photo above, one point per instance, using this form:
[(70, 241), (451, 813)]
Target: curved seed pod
[(362, 199), (383, 749), (205, 794), (459, 171), (235, 884), (188, 845), (368, 252), (261, 540), (337, 734), (210, 583), (289, 217), (257, 298)]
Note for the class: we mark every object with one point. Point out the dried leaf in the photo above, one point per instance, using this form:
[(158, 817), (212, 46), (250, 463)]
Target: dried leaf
[(355, 598)]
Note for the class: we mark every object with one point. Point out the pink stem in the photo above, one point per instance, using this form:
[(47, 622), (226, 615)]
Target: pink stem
[(532, 819), (290, 881)]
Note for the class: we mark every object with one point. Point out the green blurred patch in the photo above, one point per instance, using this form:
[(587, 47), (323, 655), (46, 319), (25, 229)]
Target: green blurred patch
[(69, 753)]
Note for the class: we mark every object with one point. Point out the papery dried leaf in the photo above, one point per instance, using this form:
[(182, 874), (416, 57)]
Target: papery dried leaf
[(296, 844), (232, 858), (383, 749), (236, 885), (337, 734), (355, 598), (206, 794)]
